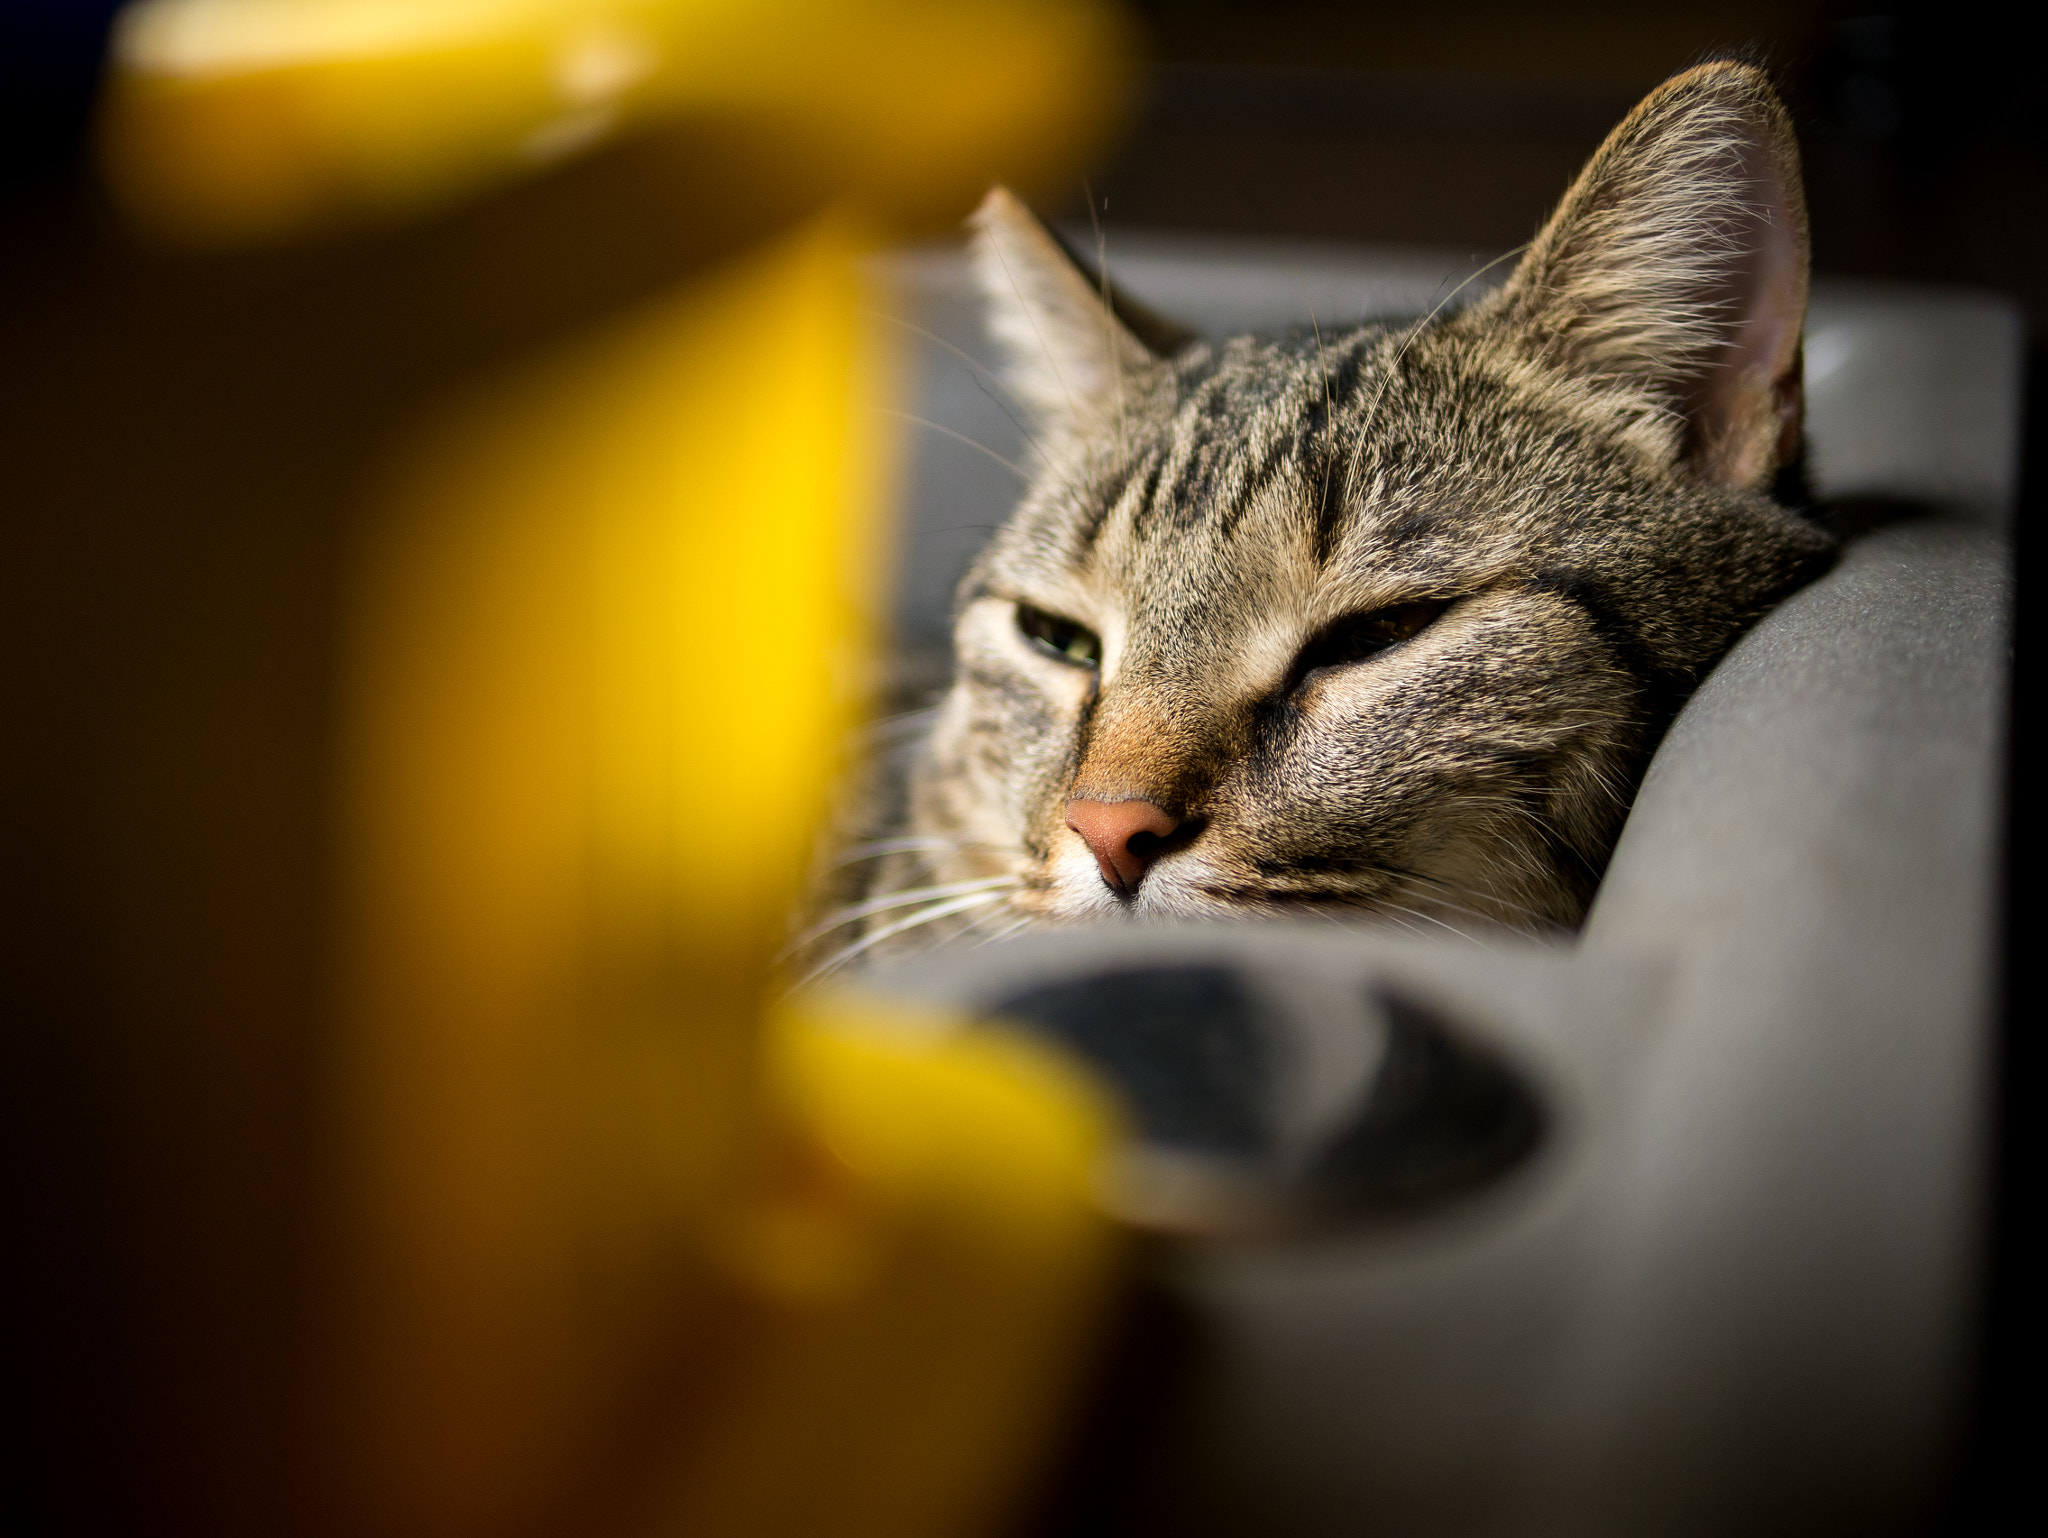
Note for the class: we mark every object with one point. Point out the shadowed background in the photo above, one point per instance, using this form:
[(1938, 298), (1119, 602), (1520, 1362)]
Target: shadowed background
[(1460, 125)]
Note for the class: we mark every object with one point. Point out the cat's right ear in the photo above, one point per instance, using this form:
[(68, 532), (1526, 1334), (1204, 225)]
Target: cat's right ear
[(1676, 268), (1068, 355)]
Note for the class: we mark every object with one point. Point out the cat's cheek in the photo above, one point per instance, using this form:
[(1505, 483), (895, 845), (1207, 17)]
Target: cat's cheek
[(986, 635)]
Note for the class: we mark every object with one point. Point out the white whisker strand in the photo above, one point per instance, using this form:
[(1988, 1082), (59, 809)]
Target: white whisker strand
[(888, 931), (876, 849), (1013, 927), (1387, 379), (1044, 346), (883, 904), (895, 728), (981, 370), (1030, 438), (1109, 320), (1392, 916), (1520, 909), (1322, 368), (958, 437)]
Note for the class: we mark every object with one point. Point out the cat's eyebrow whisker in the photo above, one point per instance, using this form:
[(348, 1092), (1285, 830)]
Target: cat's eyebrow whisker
[(958, 437), (1329, 409), (1108, 315), (1387, 379), (981, 370), (982, 375), (900, 899), (1036, 330), (923, 916), (1030, 438)]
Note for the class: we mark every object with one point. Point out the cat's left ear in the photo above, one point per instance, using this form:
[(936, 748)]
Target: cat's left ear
[(1677, 264), (1070, 343)]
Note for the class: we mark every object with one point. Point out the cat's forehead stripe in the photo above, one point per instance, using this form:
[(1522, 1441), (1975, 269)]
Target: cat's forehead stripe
[(1308, 440), (1246, 421), (1319, 434), (1132, 485), (1339, 468)]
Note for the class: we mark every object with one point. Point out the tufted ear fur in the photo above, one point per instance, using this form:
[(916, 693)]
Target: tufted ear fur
[(1071, 344), (1677, 265)]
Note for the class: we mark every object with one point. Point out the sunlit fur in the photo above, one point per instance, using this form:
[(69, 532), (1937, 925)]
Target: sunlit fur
[(1579, 464)]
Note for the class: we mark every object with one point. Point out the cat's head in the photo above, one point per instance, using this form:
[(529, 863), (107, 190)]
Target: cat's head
[(1384, 619)]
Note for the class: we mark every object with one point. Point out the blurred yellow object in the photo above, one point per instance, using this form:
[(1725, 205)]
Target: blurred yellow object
[(556, 490), (609, 629), (246, 119), (939, 1285)]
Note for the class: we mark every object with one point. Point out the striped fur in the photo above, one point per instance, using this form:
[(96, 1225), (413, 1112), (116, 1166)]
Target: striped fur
[(1576, 467)]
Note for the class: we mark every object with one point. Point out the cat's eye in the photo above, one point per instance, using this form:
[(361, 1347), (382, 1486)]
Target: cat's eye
[(1070, 643), (1367, 635)]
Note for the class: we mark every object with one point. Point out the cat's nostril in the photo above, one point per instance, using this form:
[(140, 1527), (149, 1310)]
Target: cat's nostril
[(1124, 836)]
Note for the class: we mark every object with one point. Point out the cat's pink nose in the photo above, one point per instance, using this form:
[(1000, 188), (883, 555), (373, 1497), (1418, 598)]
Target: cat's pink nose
[(1125, 837)]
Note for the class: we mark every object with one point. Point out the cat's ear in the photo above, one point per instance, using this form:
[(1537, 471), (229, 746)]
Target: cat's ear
[(1070, 344), (1677, 263)]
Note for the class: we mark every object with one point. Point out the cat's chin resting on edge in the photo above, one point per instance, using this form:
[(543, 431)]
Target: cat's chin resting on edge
[(1377, 622)]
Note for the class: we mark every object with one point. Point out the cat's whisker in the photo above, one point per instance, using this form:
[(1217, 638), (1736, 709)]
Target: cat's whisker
[(978, 923), (1387, 378), (1427, 917), (1499, 901), (1329, 408), (1109, 320), (981, 370), (889, 931), (1031, 315), (854, 913), (904, 723), (1481, 915), (1377, 903), (879, 848), (1030, 438), (1393, 917), (1007, 930), (1443, 894), (939, 427)]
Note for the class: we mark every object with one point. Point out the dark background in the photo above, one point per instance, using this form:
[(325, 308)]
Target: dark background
[(1460, 125)]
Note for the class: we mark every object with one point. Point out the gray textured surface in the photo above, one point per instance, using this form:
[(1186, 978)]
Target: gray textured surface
[(1914, 392), (1733, 1294)]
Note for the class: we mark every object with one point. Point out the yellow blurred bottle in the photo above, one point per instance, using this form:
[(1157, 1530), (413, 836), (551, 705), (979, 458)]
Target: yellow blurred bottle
[(605, 1240), (237, 119), (610, 630)]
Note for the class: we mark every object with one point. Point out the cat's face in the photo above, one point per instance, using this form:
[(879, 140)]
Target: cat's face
[(1384, 621)]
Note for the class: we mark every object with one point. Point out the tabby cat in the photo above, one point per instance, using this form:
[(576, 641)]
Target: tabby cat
[(1380, 622)]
